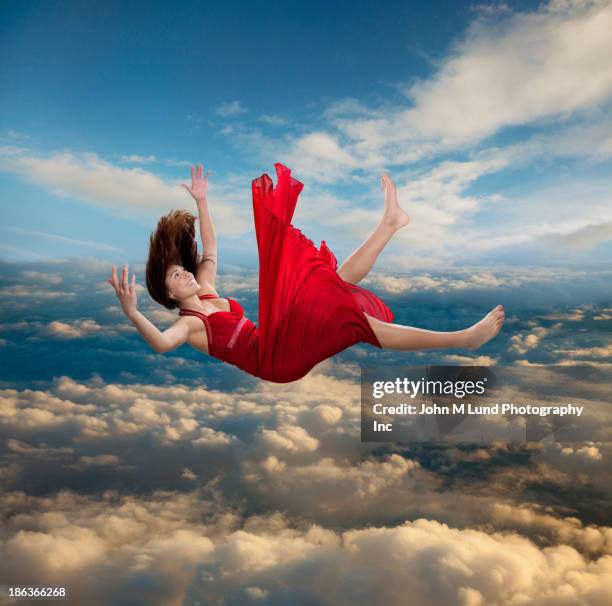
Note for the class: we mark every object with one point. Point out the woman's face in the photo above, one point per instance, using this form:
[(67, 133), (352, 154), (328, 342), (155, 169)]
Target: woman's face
[(180, 282)]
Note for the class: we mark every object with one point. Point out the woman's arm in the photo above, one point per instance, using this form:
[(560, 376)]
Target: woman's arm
[(207, 270), (161, 342), (207, 230), (171, 338)]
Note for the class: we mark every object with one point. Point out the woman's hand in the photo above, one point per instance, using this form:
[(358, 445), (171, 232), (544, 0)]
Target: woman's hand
[(126, 292), (199, 183)]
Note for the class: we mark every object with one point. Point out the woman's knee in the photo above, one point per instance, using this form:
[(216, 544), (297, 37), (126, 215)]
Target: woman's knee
[(389, 335), (378, 327)]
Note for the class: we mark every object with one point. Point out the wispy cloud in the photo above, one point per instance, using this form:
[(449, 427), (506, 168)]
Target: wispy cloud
[(230, 108), (555, 68), (136, 159), (91, 179), (60, 238), (273, 120), (554, 62), (139, 159)]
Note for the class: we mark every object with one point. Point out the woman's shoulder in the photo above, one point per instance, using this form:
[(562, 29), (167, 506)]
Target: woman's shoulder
[(192, 323), (196, 332)]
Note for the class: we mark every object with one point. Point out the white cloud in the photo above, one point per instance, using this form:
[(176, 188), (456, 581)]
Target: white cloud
[(208, 437), (589, 352), (586, 452), (521, 343), (288, 438), (470, 361), (91, 179), (273, 120), (585, 238), (37, 276), (230, 108), (26, 291), (74, 329), (319, 156), (554, 62), (138, 159), (433, 563), (187, 544), (478, 278)]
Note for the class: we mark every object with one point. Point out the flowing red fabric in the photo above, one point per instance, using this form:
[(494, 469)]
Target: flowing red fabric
[(307, 312)]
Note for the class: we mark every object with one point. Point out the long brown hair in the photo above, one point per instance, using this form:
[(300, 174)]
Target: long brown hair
[(172, 242)]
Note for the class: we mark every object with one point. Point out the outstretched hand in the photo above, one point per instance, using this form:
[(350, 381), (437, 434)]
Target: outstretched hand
[(199, 183), (126, 292)]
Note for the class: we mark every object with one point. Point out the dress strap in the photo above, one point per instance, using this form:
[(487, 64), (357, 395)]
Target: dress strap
[(207, 296)]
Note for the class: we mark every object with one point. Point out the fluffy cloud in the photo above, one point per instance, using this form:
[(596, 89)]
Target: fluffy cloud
[(121, 542), (74, 329), (391, 563), (587, 452), (167, 546), (290, 448), (338, 490), (288, 438), (604, 314), (521, 343)]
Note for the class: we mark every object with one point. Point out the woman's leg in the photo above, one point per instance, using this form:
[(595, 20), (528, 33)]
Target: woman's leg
[(361, 261), (408, 338)]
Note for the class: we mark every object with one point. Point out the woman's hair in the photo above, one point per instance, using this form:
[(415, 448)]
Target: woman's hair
[(172, 242)]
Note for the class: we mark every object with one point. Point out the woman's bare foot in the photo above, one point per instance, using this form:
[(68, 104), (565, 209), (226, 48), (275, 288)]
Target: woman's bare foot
[(394, 216), (486, 329)]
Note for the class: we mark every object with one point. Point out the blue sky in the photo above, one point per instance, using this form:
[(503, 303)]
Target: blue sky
[(105, 105)]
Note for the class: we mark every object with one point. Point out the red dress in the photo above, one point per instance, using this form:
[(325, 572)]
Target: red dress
[(307, 312)]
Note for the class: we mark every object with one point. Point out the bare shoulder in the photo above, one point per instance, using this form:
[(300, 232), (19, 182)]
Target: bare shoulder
[(197, 336), (193, 323)]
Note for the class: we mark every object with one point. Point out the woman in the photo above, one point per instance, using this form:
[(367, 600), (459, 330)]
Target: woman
[(309, 309)]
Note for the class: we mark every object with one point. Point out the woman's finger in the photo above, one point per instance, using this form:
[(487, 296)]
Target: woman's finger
[(187, 188), (192, 173)]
